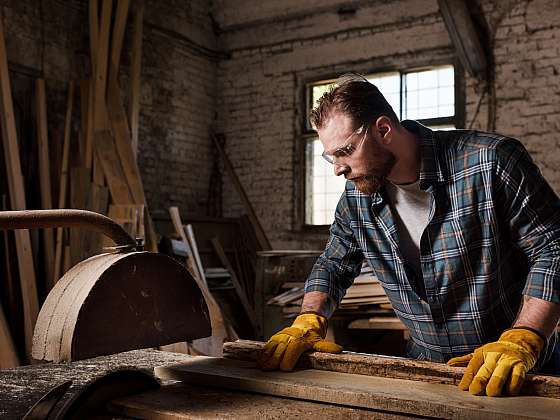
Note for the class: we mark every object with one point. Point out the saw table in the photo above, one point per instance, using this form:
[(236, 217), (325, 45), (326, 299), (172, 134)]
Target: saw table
[(322, 386), (21, 387)]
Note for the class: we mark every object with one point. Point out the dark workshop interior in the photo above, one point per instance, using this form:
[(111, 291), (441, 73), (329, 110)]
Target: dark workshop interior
[(175, 242)]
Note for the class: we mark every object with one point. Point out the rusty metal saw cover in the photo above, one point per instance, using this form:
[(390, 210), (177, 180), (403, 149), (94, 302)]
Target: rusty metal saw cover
[(111, 303)]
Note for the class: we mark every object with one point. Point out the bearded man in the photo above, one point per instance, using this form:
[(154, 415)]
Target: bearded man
[(461, 230)]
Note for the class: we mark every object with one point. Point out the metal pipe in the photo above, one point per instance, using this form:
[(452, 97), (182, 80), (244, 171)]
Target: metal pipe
[(44, 219)]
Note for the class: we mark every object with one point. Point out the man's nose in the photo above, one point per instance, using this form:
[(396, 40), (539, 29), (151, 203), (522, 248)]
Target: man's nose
[(340, 169)]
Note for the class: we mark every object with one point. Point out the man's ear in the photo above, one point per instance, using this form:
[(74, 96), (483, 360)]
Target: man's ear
[(385, 127)]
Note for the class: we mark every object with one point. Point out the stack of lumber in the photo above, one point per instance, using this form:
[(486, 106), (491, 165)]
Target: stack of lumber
[(365, 291), (364, 298)]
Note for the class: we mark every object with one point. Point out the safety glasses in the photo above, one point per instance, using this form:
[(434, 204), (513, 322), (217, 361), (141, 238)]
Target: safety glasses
[(349, 147)]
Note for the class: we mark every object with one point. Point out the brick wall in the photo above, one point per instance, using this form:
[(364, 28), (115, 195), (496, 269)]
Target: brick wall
[(50, 39), (276, 46), (253, 90)]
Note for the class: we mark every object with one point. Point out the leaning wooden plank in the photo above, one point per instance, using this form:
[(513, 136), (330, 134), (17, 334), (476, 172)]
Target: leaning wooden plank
[(17, 198), (189, 231), (63, 186), (377, 393), (9, 281), (86, 128), (219, 250), (259, 231), (391, 367), (219, 327), (8, 353), (93, 32), (106, 152), (79, 191), (102, 57), (117, 36), (135, 70), (44, 177), (119, 125)]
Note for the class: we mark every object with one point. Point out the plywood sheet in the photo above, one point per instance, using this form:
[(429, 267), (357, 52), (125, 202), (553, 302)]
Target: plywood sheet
[(392, 395)]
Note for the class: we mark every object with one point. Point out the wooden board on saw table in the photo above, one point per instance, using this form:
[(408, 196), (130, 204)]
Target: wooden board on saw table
[(184, 401), (392, 395)]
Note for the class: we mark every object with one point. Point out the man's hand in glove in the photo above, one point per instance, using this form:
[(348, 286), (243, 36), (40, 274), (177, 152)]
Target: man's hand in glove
[(500, 367), (284, 348)]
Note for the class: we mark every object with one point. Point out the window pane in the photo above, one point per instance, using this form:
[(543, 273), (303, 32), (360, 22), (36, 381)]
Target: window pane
[(318, 91), (430, 93), (389, 84), (323, 188)]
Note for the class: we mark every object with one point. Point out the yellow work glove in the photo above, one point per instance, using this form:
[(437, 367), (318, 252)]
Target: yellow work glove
[(500, 365), (284, 348)]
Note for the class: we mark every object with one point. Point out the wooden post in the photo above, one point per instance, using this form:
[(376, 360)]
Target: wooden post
[(17, 198)]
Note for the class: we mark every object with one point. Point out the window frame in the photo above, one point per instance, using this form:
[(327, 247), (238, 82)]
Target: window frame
[(308, 133)]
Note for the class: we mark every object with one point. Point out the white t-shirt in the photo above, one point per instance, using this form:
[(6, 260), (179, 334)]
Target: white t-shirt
[(411, 208)]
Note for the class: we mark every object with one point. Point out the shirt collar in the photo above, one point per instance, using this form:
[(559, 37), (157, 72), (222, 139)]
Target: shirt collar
[(431, 171)]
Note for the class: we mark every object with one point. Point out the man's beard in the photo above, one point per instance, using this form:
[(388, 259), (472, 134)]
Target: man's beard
[(373, 180), (369, 184)]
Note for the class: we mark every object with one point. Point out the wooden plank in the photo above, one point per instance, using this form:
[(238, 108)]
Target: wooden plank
[(183, 401), (135, 73), (63, 187), (9, 282), (259, 231), (98, 201), (106, 152), (130, 217), (102, 57), (117, 37), (378, 323), (189, 232), (216, 244), (98, 176), (126, 154), (93, 32), (45, 177), (377, 393), (8, 353), (86, 96), (79, 192), (386, 366), (17, 198)]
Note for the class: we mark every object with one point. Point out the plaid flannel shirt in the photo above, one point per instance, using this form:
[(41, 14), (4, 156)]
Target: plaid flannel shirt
[(493, 236)]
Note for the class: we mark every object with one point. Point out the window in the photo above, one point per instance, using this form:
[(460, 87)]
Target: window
[(426, 95)]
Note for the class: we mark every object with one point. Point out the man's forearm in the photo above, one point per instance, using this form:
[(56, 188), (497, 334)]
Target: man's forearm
[(539, 315), (318, 302)]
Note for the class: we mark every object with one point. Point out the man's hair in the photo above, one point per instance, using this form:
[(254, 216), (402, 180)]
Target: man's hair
[(354, 96)]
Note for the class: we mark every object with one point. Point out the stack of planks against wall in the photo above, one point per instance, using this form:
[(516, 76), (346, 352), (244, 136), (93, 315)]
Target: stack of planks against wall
[(98, 170)]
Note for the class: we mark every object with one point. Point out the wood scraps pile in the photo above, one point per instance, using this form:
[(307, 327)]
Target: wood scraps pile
[(92, 168), (365, 304)]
